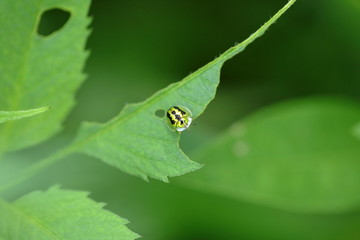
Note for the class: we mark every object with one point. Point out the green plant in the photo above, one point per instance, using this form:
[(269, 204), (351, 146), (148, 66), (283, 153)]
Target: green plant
[(265, 158), (47, 70)]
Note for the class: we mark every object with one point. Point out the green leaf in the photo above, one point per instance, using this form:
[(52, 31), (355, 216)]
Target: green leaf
[(299, 155), (37, 70), (14, 115), (61, 215), (139, 142)]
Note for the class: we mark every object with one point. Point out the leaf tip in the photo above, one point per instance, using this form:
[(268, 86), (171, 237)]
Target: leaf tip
[(47, 108)]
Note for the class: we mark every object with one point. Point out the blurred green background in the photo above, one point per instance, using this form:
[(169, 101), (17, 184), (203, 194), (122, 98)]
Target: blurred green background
[(139, 47)]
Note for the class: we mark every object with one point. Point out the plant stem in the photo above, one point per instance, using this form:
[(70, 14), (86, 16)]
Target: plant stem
[(37, 167)]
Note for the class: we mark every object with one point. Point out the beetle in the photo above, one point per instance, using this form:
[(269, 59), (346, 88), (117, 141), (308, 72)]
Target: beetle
[(179, 117)]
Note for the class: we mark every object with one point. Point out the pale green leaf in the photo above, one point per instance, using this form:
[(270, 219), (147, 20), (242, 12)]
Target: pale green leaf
[(299, 155), (14, 115), (37, 70), (60, 215), (139, 142)]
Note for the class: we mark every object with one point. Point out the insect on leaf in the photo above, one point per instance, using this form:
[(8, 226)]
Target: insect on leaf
[(14, 115), (139, 142), (60, 215), (39, 71)]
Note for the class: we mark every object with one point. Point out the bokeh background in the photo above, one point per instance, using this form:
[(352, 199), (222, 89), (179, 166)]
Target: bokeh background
[(140, 47)]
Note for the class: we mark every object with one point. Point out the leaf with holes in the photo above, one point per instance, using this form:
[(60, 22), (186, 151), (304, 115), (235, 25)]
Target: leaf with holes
[(36, 70), (299, 155), (14, 115), (62, 215), (139, 142)]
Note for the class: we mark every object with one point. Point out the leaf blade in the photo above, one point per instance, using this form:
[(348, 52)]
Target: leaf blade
[(36, 70), (57, 214), (138, 142)]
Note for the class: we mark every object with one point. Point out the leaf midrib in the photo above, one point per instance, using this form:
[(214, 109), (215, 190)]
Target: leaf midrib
[(30, 219)]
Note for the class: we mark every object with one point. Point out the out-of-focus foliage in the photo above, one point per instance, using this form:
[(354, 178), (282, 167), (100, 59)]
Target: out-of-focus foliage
[(35, 69), (312, 50), (299, 155), (61, 215), (147, 45)]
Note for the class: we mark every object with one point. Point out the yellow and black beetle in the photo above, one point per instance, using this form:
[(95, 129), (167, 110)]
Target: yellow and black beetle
[(180, 118)]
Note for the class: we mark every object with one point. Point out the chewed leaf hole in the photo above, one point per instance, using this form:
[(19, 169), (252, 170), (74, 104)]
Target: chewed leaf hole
[(52, 20), (160, 113)]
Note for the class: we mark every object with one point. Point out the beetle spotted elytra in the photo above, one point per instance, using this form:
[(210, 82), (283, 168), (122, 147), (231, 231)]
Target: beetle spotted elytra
[(179, 117)]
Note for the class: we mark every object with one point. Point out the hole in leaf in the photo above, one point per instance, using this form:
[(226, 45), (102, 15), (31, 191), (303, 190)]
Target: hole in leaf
[(52, 20), (160, 113)]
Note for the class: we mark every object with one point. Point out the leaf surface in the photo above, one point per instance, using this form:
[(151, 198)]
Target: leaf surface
[(37, 70), (14, 115), (139, 142), (300, 155), (60, 215)]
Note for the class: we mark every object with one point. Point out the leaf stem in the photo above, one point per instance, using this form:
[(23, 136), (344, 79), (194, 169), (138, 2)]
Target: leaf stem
[(37, 167)]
